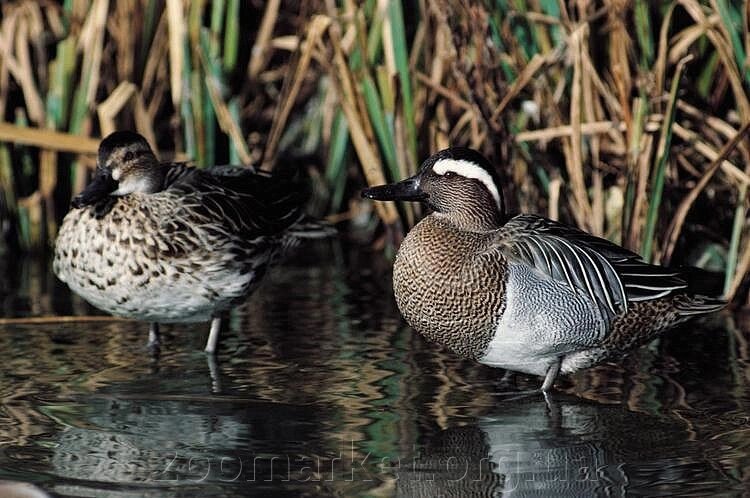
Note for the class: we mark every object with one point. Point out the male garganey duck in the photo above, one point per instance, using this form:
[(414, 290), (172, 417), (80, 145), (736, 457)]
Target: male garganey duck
[(164, 242), (523, 293)]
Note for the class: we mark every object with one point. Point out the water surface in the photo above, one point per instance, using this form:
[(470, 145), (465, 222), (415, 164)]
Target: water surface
[(319, 389)]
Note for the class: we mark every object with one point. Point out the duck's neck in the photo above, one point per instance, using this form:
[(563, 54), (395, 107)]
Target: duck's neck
[(474, 220)]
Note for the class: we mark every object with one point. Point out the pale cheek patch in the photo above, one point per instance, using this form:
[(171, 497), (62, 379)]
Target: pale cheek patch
[(468, 169), (130, 185)]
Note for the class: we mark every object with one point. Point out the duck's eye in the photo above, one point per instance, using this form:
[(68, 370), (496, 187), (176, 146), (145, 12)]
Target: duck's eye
[(449, 174)]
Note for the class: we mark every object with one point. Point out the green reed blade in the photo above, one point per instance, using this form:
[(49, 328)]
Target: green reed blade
[(209, 116), (733, 23), (197, 101), (642, 19), (401, 53), (552, 9), (382, 132), (231, 35), (217, 18), (522, 31), (80, 107), (657, 186), (495, 21), (640, 114), (234, 111), (24, 229), (375, 37), (58, 95), (68, 10), (186, 110), (708, 75), (197, 95), (538, 36), (150, 19), (214, 71), (336, 167), (7, 181), (740, 218)]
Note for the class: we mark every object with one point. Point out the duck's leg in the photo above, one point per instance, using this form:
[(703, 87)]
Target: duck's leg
[(214, 372), (154, 338), (213, 335), (549, 379)]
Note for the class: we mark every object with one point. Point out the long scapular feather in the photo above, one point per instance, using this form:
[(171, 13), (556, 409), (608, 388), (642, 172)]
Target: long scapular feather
[(610, 275)]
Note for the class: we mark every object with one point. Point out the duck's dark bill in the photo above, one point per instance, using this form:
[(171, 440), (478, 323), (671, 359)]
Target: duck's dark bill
[(406, 190), (99, 188)]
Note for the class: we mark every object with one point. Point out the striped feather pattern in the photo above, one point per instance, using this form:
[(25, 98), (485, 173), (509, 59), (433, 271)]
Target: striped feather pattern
[(609, 274), (251, 202)]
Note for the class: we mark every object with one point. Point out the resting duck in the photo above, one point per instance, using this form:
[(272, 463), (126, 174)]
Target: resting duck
[(165, 242)]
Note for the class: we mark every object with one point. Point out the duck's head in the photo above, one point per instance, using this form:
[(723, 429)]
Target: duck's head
[(457, 183), (125, 164)]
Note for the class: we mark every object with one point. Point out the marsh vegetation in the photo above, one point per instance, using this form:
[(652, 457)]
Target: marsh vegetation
[(627, 118)]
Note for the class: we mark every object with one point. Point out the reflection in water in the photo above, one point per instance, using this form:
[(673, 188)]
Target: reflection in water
[(319, 389), (571, 448)]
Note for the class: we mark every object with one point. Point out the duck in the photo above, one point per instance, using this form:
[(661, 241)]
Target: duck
[(166, 242), (522, 292)]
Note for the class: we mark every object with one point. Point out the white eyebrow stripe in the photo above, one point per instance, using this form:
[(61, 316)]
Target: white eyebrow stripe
[(468, 169)]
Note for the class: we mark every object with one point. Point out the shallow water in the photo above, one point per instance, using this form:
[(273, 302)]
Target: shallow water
[(320, 390)]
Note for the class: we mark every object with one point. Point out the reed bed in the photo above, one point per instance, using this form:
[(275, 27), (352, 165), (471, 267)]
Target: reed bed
[(627, 118)]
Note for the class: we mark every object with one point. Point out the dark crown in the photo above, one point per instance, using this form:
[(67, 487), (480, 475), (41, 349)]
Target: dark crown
[(119, 140)]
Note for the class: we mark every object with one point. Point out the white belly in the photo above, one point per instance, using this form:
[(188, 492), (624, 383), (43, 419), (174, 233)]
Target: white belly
[(190, 298), (542, 321)]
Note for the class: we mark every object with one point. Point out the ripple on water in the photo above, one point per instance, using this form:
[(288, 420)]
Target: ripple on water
[(319, 389)]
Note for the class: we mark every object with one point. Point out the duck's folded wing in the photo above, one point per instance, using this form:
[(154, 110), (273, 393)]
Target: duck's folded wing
[(248, 202), (611, 275)]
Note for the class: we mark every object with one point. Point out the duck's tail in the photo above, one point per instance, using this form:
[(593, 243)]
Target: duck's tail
[(703, 292), (699, 305), (310, 228)]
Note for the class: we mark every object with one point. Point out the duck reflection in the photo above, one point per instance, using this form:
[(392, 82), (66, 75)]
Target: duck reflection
[(320, 390), (570, 448)]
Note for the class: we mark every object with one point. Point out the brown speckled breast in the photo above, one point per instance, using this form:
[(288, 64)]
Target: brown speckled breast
[(446, 289)]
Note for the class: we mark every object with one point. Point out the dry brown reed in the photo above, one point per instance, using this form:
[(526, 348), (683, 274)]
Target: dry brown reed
[(627, 118)]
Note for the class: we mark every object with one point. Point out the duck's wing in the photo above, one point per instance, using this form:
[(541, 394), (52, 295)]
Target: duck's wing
[(249, 202), (611, 275)]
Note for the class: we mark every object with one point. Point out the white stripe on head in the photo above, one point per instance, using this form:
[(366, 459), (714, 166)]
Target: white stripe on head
[(469, 170)]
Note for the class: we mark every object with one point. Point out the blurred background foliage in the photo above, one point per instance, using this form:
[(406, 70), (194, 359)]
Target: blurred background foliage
[(627, 118)]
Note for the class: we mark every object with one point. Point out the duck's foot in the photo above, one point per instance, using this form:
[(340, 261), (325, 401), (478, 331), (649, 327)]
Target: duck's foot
[(544, 390), (549, 379), (520, 395), (154, 338), (213, 335)]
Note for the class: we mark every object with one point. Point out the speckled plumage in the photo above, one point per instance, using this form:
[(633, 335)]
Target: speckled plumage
[(195, 244), (442, 297), (523, 293)]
